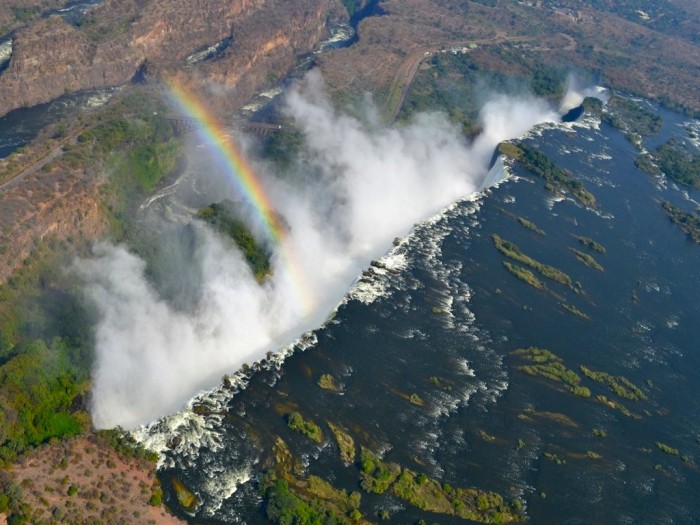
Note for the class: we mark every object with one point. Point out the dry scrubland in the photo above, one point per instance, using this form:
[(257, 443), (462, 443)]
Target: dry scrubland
[(627, 53), (84, 481)]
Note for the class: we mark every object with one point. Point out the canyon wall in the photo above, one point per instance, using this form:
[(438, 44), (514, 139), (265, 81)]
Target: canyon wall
[(120, 38)]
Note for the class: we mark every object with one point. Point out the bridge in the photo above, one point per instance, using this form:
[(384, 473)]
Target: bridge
[(183, 125)]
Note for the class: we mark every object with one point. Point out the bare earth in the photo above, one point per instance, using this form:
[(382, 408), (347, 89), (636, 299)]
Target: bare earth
[(109, 489)]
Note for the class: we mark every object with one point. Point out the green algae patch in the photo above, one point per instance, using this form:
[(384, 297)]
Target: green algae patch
[(185, 496), (328, 382)]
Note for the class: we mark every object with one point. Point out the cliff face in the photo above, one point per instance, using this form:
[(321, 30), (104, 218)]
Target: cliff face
[(119, 40), (51, 57)]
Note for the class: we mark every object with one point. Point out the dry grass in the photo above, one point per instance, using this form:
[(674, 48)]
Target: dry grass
[(110, 489)]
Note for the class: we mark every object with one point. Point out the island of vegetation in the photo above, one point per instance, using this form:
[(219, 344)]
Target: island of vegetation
[(346, 444), (428, 494), (550, 366), (557, 179), (511, 251), (631, 118), (328, 382), (530, 226), (590, 243), (292, 500), (572, 309), (675, 160), (525, 223), (686, 221), (620, 385), (587, 259), (663, 447), (524, 275), (295, 421), (222, 216)]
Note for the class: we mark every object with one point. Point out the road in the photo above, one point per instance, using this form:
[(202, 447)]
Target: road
[(406, 72)]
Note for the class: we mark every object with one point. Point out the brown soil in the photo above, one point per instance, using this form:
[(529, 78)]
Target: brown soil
[(629, 56), (110, 489)]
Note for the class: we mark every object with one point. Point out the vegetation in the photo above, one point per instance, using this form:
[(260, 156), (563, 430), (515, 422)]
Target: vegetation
[(345, 443), (590, 243), (222, 216), (620, 385), (551, 367), (283, 147), (599, 432), (513, 252), (295, 421), (667, 449), (557, 179), (616, 405), (376, 475), (688, 222), (415, 399), (592, 106), (530, 226), (524, 275), (631, 118), (587, 259), (185, 496), (285, 507), (572, 309), (25, 14), (554, 458), (674, 159), (328, 382), (427, 494), (45, 326), (486, 436)]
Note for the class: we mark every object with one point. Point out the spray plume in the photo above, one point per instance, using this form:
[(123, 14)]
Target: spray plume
[(369, 185)]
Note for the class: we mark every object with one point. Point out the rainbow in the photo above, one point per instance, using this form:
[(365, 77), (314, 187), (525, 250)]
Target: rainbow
[(243, 177)]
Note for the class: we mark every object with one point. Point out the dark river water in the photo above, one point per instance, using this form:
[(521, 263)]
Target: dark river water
[(443, 324)]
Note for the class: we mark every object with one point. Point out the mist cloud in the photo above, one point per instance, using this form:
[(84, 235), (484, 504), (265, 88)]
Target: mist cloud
[(369, 184)]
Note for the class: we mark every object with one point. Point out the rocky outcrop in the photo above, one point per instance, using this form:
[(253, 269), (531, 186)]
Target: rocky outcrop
[(121, 38)]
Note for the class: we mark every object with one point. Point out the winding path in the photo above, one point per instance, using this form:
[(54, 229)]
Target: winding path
[(406, 72)]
